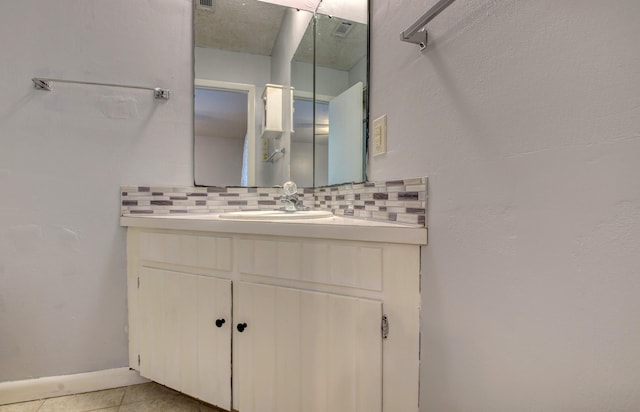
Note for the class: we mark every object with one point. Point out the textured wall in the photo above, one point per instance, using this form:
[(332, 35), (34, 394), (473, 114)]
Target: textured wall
[(64, 155), (525, 115)]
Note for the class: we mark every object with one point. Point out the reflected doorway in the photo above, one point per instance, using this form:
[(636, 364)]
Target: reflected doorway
[(224, 134)]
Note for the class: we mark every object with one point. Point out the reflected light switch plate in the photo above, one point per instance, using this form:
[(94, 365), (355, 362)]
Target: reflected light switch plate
[(380, 135)]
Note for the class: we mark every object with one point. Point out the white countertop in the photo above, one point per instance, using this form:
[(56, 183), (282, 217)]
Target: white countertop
[(335, 227)]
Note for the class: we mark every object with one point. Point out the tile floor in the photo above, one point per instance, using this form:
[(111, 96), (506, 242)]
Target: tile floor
[(136, 398)]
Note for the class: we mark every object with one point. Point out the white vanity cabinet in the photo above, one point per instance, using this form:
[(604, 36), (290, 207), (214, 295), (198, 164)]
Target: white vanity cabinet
[(180, 312), (303, 316)]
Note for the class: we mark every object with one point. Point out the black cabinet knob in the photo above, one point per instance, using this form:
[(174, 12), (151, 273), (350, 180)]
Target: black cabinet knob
[(241, 327), (219, 322)]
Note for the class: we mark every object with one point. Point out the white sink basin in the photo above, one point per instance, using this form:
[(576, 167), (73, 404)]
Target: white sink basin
[(275, 215)]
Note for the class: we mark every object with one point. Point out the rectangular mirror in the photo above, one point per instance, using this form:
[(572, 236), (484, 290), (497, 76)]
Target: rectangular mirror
[(280, 92)]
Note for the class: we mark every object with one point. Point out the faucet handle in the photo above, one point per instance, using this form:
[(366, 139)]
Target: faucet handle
[(290, 188)]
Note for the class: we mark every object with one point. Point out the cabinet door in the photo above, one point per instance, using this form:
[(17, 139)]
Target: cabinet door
[(181, 344), (306, 351)]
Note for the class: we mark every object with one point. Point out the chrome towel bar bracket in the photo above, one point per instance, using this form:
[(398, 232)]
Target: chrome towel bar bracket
[(41, 84), (419, 38), (417, 32)]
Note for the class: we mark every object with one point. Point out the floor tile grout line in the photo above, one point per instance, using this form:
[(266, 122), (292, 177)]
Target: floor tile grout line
[(124, 392), (70, 396), (41, 403)]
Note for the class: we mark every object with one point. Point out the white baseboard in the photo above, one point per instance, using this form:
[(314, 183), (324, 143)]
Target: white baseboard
[(40, 388)]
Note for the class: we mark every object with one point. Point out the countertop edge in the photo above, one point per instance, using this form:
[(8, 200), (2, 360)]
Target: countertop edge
[(385, 234)]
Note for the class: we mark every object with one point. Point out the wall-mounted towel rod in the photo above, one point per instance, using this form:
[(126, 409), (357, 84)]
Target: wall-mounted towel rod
[(45, 84), (417, 32)]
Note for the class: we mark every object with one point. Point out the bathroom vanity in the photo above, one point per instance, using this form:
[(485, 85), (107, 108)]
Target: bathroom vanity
[(300, 315)]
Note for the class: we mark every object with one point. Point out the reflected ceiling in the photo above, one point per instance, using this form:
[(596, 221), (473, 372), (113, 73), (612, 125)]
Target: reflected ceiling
[(252, 26), (335, 52), (247, 26)]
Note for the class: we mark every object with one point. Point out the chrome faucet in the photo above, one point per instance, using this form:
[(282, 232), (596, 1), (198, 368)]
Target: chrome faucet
[(290, 198)]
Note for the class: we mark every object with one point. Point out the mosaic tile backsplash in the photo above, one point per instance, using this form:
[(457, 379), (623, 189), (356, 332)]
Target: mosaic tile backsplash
[(402, 201)]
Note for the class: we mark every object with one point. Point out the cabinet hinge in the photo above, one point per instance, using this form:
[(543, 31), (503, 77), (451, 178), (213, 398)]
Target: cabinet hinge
[(138, 282), (385, 327), (138, 360)]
